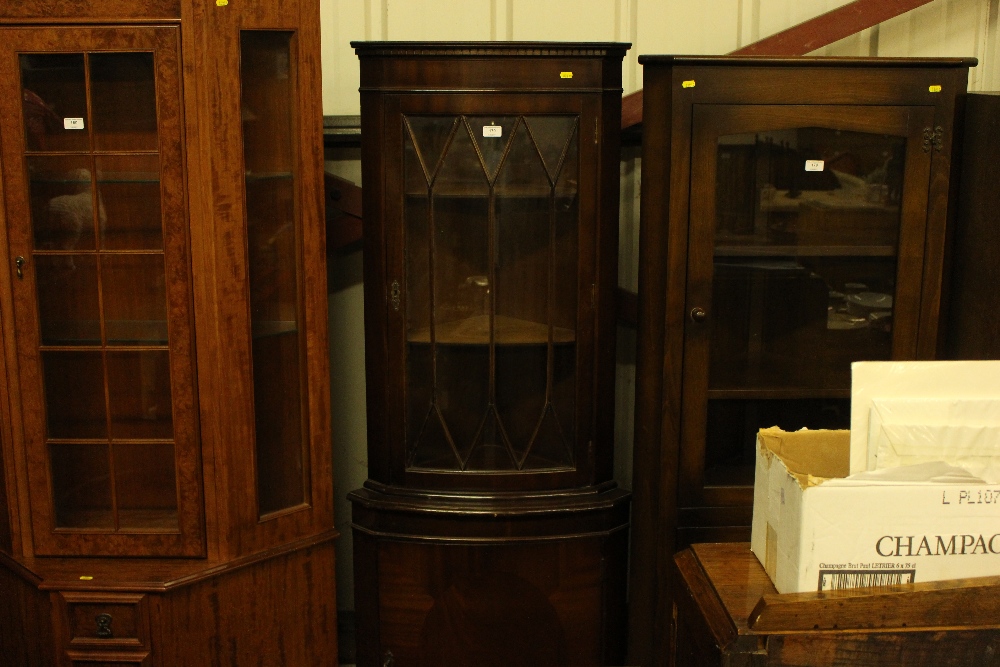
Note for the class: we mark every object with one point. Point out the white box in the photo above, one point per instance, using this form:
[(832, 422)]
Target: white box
[(815, 530), (951, 406), (910, 493)]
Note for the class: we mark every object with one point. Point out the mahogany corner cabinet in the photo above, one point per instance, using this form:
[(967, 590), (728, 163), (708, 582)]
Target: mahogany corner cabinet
[(490, 530), (165, 471), (795, 218)]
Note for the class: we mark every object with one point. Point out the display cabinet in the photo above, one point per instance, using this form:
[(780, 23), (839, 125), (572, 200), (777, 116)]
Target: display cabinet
[(795, 218), (491, 208), (165, 474)]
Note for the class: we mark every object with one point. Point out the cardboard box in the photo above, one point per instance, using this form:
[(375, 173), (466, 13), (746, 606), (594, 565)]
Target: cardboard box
[(910, 493)]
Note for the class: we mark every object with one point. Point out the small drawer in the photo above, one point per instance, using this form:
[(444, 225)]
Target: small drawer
[(106, 619)]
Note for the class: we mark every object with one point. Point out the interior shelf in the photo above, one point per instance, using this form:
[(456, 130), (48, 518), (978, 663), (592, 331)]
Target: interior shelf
[(118, 332), (145, 520), (507, 331), (264, 328), (758, 249), (480, 190), (252, 176), (777, 393)]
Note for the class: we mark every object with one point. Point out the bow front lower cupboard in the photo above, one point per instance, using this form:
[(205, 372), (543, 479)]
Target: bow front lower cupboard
[(165, 478), (490, 530), (795, 218)]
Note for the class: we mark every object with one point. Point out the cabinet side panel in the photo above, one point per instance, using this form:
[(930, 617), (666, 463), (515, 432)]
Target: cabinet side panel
[(974, 316), (281, 611), (26, 637), (654, 494), (5, 534), (940, 214)]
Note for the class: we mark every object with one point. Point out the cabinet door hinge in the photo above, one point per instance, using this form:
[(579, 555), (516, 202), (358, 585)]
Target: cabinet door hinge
[(933, 139)]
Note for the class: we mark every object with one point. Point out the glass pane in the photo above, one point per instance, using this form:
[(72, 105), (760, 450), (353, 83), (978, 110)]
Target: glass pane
[(74, 394), (54, 102), (135, 299), (525, 302), (129, 187), (806, 241), (278, 404), (489, 225), (123, 101), (61, 194), (273, 247), (139, 393), (425, 139), (460, 220), (555, 137), (805, 257), (146, 487), (81, 483), (492, 134), (68, 308), (524, 208), (448, 288), (566, 239)]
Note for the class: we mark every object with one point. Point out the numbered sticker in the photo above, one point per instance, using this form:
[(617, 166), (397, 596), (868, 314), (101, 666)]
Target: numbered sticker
[(492, 131), (814, 165), (73, 123)]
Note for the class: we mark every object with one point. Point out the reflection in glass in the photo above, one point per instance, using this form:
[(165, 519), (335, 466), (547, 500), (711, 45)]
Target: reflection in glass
[(805, 256), (491, 218), (145, 486), (268, 88), (129, 187), (135, 299), (54, 101), (123, 101), (806, 241), (139, 395), (61, 192), (68, 308), (74, 394), (81, 482)]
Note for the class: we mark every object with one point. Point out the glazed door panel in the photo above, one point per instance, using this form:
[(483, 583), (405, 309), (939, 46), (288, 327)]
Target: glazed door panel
[(490, 305), (807, 227), (98, 258)]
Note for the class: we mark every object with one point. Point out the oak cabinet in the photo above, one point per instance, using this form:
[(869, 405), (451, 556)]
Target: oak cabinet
[(491, 204), (165, 403), (795, 216)]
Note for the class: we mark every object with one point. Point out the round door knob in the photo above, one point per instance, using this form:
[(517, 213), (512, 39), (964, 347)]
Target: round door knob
[(698, 315)]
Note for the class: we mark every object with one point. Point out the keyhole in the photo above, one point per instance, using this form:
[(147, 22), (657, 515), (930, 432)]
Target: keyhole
[(104, 626)]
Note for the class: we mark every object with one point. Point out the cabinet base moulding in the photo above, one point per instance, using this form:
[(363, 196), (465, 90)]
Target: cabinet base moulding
[(277, 608)]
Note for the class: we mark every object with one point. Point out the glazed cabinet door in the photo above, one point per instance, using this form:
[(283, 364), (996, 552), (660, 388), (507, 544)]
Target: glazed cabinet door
[(491, 277), (97, 254), (805, 253)]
